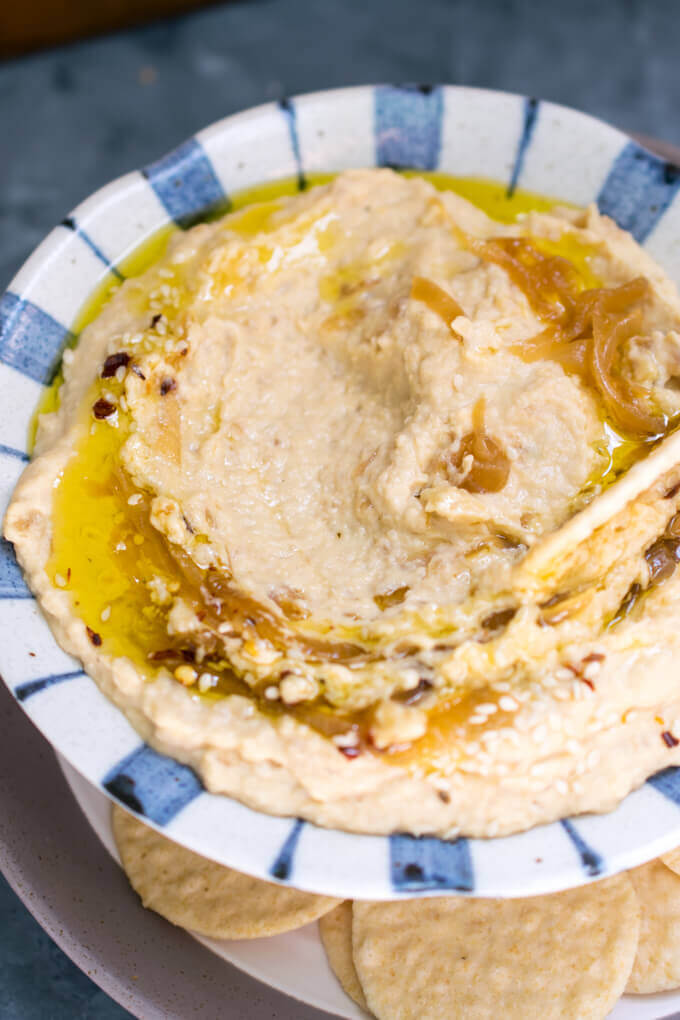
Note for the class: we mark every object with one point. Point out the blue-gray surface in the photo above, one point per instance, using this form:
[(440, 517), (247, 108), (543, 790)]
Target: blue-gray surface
[(73, 118), (37, 981)]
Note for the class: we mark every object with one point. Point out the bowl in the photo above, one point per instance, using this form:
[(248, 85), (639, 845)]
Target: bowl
[(464, 132)]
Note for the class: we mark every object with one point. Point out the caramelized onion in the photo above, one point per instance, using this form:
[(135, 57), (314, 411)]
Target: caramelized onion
[(391, 598), (490, 464), (549, 282), (585, 329), (437, 300), (616, 317)]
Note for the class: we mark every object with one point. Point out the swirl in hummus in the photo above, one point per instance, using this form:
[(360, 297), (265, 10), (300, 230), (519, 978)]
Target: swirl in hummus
[(287, 509)]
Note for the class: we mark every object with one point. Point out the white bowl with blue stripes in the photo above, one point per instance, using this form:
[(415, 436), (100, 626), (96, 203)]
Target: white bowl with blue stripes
[(466, 132)]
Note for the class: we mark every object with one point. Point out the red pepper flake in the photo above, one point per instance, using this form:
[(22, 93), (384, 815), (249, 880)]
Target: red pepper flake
[(156, 319), (672, 492), (168, 385), (138, 372), (350, 752), (669, 740), (593, 657), (102, 409), (114, 362), (443, 796), (94, 637), (579, 675), (68, 574)]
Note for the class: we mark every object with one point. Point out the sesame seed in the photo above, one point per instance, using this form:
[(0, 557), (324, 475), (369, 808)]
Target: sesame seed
[(561, 787), (135, 499), (105, 614), (349, 739), (206, 681), (60, 580), (508, 704), (540, 733), (272, 693)]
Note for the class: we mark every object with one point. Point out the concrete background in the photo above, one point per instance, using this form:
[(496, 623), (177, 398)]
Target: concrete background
[(73, 118)]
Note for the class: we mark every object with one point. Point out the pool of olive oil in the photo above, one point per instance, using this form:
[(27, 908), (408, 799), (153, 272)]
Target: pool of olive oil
[(103, 553)]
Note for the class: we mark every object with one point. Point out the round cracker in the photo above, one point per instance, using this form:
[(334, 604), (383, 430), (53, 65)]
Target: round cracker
[(206, 897), (556, 957), (672, 860), (336, 934), (657, 962)]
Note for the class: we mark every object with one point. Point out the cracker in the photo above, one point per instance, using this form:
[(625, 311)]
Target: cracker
[(556, 957), (558, 545), (208, 898), (335, 929), (672, 860), (657, 963)]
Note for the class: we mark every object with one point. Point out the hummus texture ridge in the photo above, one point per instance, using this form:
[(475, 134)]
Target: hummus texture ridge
[(288, 508)]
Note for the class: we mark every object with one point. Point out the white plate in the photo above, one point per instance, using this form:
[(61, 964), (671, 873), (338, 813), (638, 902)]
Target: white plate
[(296, 963), (537, 145)]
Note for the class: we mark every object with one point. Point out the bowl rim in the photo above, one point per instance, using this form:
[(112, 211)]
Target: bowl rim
[(426, 866)]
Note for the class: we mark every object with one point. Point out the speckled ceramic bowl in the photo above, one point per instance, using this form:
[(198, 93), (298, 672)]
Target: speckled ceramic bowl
[(465, 132)]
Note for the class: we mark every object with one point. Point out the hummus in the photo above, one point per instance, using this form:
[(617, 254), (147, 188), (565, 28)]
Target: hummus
[(290, 509)]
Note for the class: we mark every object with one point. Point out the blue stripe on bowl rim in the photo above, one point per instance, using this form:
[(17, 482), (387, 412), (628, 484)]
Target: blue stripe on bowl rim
[(12, 583), (593, 863), (283, 867), (530, 116), (639, 189), (186, 183), (152, 785), (667, 782), (408, 126), (11, 451), (408, 123), (29, 688), (31, 340), (425, 863), (70, 223), (287, 107)]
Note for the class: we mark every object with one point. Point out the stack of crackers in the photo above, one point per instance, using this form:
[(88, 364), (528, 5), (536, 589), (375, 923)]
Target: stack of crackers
[(567, 955)]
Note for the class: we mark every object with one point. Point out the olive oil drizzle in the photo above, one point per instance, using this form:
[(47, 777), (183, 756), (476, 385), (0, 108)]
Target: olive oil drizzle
[(107, 554)]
